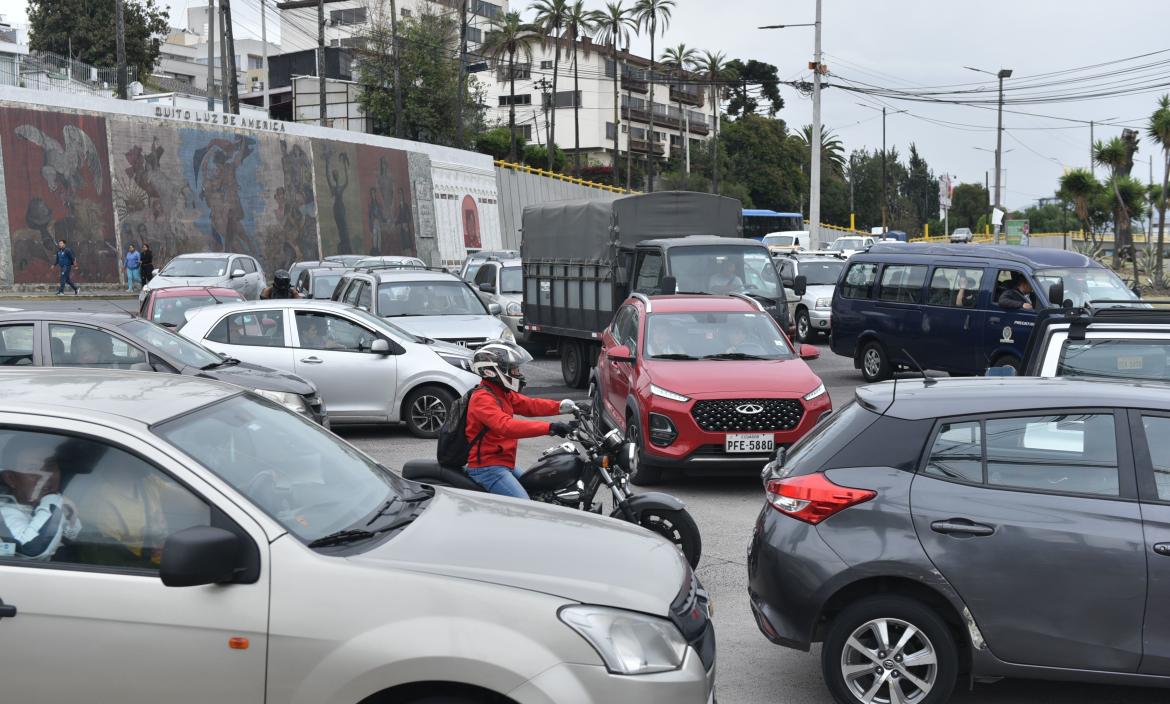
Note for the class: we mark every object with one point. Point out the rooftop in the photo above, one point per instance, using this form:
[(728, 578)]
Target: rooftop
[(1032, 256)]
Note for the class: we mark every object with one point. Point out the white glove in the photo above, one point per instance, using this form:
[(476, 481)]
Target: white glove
[(567, 406)]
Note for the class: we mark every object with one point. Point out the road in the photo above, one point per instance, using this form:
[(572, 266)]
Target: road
[(751, 670)]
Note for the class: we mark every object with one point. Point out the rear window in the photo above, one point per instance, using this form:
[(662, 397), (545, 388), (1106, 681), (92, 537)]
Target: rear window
[(812, 452), (1115, 359), (859, 280)]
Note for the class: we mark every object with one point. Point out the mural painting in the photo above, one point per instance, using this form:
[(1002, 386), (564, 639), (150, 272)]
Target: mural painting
[(57, 182), (387, 204), (471, 238), (339, 185)]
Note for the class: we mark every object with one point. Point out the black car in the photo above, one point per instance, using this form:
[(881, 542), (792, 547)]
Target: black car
[(120, 341)]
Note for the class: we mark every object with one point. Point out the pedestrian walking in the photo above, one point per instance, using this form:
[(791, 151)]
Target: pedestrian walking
[(65, 262), (133, 262), (146, 264)]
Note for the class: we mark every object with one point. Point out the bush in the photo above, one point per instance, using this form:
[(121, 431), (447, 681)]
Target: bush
[(536, 156), (497, 142)]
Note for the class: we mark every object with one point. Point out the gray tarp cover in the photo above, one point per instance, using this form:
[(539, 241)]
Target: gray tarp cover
[(581, 230)]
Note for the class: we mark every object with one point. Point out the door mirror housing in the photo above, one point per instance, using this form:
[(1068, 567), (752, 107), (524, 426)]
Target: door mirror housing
[(154, 273), (200, 555), (487, 288), (669, 285), (238, 273), (380, 346), (621, 353), (809, 352), (495, 308), (800, 285)]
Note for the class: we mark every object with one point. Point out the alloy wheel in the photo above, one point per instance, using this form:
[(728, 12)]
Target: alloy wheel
[(889, 661), (872, 362), (428, 413), (802, 326)]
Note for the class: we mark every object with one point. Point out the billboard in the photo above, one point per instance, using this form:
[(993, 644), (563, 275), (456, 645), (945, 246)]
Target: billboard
[(1016, 231)]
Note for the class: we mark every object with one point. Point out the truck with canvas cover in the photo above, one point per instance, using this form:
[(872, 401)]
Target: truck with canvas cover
[(581, 259)]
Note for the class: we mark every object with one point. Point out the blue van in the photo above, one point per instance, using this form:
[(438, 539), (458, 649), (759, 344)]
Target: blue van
[(898, 306)]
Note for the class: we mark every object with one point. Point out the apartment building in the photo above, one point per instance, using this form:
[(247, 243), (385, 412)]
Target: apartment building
[(346, 22)]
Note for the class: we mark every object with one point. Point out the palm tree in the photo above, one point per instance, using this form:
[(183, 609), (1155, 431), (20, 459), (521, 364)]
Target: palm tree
[(832, 150), (509, 36), (1078, 186), (681, 58), (549, 18), (651, 15), (1115, 155), (614, 25), (1159, 131), (713, 68), (579, 23)]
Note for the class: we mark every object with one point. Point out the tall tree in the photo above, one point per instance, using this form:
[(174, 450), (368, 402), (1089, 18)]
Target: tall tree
[(681, 59), (507, 37), (969, 201), (832, 149), (1117, 156), (653, 15), (741, 76), (1078, 187), (85, 26), (614, 26), (713, 68), (579, 23), (549, 19), (920, 188), (1159, 131)]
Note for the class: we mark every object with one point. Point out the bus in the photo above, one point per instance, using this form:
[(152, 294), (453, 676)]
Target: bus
[(757, 223)]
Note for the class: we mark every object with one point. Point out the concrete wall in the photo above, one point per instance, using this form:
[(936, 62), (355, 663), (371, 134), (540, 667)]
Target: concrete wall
[(518, 189)]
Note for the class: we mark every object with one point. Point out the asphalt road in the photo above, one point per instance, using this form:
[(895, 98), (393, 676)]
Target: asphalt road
[(751, 670)]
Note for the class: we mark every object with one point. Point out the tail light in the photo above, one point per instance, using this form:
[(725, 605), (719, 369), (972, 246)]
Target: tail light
[(812, 497)]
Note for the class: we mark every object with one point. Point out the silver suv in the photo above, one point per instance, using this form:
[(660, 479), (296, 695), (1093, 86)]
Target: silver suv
[(238, 272), (811, 308), (501, 281), (234, 551)]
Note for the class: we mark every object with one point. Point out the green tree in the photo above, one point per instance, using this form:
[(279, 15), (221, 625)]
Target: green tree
[(1117, 155), (832, 149), (507, 37), (548, 20), (681, 59), (536, 155), (653, 15), (712, 67), (579, 23), (1159, 131), (497, 142), (762, 158), (920, 189), (87, 26), (614, 26), (968, 203), (741, 77)]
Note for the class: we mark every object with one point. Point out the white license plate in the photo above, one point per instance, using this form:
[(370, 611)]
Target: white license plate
[(755, 442)]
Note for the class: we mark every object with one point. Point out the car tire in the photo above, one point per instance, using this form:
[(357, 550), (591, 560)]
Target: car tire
[(641, 473), (676, 526), (875, 364), (426, 409), (574, 367), (804, 329), (850, 672)]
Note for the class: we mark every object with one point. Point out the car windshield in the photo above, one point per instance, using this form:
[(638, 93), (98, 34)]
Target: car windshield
[(714, 335), (171, 345), (722, 270), (170, 310), (1115, 359), (1085, 284), (427, 298), (324, 284), (818, 273), (842, 244), (303, 476), (195, 267), (511, 280)]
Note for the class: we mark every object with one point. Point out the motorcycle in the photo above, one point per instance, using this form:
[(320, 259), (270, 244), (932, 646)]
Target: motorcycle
[(571, 474)]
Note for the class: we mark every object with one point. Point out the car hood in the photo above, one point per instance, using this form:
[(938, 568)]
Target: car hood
[(534, 546), (253, 376), (169, 281), (451, 326), (728, 376), (814, 291)]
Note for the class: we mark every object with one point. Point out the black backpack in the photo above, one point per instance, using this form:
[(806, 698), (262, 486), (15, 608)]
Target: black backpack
[(454, 449)]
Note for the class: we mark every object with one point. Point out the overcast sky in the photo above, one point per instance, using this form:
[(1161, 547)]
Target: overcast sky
[(905, 44)]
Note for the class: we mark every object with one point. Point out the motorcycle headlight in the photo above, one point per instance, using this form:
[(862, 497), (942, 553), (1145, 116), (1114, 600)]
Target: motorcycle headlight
[(514, 308), (456, 360), (824, 303), (291, 401), (628, 642)]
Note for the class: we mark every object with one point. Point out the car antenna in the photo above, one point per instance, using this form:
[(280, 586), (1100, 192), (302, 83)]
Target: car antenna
[(926, 380), (209, 293)]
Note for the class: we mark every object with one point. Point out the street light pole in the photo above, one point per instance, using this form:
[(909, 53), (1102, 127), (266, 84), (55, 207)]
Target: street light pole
[(1002, 74), (885, 200)]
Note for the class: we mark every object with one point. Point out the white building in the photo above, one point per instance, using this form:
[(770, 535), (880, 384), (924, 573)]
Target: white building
[(679, 108), (346, 21)]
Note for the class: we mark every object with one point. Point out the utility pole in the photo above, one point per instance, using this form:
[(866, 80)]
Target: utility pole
[(321, 63), (1092, 164), (814, 205), (264, 52), (120, 29), (211, 30), (543, 85), (885, 199), (223, 77), (397, 60), (1003, 73), (852, 210), (229, 51), (462, 96)]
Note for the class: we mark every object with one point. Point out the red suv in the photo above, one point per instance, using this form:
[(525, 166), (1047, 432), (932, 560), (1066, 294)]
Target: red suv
[(704, 381)]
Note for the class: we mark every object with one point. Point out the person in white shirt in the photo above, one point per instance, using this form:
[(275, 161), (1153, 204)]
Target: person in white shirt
[(34, 517)]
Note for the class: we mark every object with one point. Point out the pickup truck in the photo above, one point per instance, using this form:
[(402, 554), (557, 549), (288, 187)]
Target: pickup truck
[(1107, 341)]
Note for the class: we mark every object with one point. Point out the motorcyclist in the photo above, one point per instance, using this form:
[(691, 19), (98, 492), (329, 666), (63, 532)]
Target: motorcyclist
[(492, 461), (281, 287)]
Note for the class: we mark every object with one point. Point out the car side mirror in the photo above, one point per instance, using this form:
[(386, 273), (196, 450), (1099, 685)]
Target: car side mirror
[(800, 285), (238, 274), (380, 346), (1056, 294), (487, 288), (621, 353), (809, 352), (495, 308), (154, 273), (669, 285), (200, 555)]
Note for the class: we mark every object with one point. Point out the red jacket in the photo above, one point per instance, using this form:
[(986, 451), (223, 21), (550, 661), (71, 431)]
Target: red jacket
[(495, 411)]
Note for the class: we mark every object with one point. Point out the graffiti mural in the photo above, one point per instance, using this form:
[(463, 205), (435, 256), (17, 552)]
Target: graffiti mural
[(57, 182), (386, 201)]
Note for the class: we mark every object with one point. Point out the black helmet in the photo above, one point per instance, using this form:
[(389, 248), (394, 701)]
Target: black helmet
[(501, 361), (281, 279)]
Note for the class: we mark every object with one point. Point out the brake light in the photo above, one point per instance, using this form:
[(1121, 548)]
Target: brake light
[(812, 497)]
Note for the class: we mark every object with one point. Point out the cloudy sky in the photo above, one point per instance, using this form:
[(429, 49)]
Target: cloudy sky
[(904, 45)]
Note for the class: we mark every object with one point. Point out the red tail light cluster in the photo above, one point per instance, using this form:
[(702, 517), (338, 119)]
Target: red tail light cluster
[(812, 497)]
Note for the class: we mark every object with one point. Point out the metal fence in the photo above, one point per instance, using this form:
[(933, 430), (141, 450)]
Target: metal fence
[(520, 185), (42, 70)]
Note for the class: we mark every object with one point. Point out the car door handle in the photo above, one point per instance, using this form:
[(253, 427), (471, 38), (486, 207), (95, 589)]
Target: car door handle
[(7, 610), (312, 360), (1162, 549), (961, 526), (967, 322)]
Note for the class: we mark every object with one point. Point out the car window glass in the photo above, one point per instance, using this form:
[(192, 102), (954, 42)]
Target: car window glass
[(902, 283), (650, 274), (248, 265), (351, 294), (66, 499), (1158, 440), (16, 344), (321, 331), (428, 297), (77, 346), (859, 280), (303, 280), (1005, 280), (472, 270), (511, 279), (1073, 453), (363, 297), (263, 328), (322, 285), (786, 272), (955, 287), (1115, 359), (957, 452), (486, 275)]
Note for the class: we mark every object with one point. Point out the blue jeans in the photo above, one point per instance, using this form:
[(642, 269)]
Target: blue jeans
[(498, 480), (65, 280), (132, 279)]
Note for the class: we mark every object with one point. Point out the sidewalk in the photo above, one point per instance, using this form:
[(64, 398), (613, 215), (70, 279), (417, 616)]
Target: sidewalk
[(49, 293)]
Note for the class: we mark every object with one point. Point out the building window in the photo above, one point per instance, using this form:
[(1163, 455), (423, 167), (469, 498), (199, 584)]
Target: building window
[(609, 69), (524, 131), (349, 15), (545, 65), (487, 9), (255, 62), (406, 12), (475, 35), (609, 130), (524, 99), (565, 99), (523, 72)]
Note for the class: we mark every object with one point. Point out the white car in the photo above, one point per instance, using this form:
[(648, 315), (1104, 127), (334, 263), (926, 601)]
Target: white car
[(784, 242), (366, 369), (238, 272), (848, 246), (961, 234)]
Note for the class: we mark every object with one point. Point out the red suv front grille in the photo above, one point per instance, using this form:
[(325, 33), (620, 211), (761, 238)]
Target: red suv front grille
[(748, 414)]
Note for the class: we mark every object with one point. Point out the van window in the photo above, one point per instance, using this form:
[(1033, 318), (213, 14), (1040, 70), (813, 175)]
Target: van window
[(902, 283), (955, 287), (859, 280)]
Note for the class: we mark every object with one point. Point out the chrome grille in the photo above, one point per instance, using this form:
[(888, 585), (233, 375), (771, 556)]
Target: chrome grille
[(735, 415), (468, 342)]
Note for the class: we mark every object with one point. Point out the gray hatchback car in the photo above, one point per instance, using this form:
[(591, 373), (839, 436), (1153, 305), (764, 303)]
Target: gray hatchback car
[(1001, 528)]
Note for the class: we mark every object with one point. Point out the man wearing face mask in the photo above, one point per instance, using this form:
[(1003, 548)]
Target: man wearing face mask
[(34, 517)]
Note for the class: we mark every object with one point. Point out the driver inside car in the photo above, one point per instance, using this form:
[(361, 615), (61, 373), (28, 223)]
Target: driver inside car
[(34, 517)]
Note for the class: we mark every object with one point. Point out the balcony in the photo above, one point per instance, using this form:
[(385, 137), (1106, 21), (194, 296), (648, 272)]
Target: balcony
[(639, 145), (700, 128), (644, 116), (689, 95)]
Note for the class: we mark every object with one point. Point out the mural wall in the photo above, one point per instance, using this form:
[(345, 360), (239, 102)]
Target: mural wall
[(367, 201)]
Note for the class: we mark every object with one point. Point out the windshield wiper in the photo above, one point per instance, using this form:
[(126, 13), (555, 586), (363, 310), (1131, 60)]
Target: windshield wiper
[(672, 355), (225, 362), (353, 535), (734, 355), (383, 511)]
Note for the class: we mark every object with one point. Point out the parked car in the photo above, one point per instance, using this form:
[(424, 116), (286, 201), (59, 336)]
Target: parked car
[(849, 246), (970, 526), (346, 259), (294, 271), (961, 234), (119, 341), (367, 369), (238, 272), (784, 242), (501, 281), (812, 278), (1102, 341), (703, 382), (166, 306), (474, 260), (211, 520), (936, 306), (390, 262), (318, 282), (431, 304)]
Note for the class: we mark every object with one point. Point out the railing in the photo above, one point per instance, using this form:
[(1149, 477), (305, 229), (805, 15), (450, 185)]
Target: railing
[(524, 169)]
